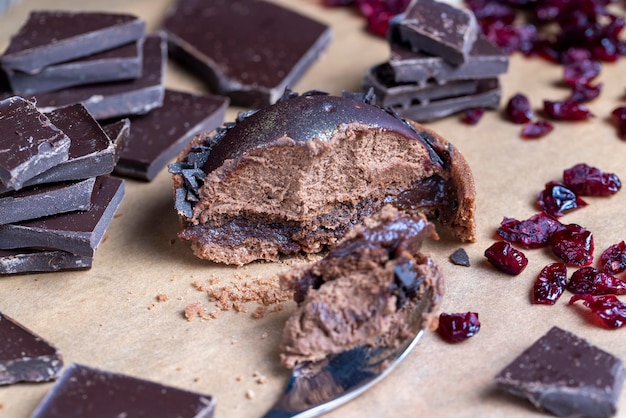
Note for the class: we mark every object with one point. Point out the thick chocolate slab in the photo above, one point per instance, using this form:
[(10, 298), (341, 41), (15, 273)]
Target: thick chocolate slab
[(111, 100), (121, 63), (24, 356), (41, 261), (566, 376), (160, 135), (76, 232), (46, 200), (487, 96), (249, 50), (485, 60), (393, 94), (87, 392), (29, 143), (50, 37), (439, 29)]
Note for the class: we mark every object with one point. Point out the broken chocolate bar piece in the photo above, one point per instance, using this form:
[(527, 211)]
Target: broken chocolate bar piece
[(118, 132), (24, 356), (121, 98), (50, 37), (85, 391), (29, 143), (160, 135), (45, 200), (41, 261), (248, 50), (484, 61), (75, 232), (460, 258), (566, 376), (439, 29), (121, 63)]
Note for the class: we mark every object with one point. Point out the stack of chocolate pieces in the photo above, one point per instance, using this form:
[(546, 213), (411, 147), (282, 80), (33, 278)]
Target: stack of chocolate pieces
[(440, 64)]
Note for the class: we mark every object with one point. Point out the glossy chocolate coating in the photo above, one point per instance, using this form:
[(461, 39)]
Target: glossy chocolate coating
[(566, 375), (50, 37), (24, 356), (87, 392)]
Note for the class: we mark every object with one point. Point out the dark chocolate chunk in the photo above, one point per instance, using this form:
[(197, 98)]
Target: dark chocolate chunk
[(41, 261), (118, 132), (24, 356), (566, 376), (88, 392), (45, 200), (75, 232), (29, 143), (248, 50), (439, 29), (160, 135), (484, 61), (121, 98), (50, 37), (121, 63), (460, 258)]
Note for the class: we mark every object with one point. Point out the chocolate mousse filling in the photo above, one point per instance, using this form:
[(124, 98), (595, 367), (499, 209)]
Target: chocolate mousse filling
[(294, 177)]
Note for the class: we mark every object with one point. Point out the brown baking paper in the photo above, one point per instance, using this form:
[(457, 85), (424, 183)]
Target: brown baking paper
[(109, 316)]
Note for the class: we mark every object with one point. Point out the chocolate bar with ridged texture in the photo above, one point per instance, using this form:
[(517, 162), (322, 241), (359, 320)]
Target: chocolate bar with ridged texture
[(51, 37), (25, 356), (84, 391), (25, 261)]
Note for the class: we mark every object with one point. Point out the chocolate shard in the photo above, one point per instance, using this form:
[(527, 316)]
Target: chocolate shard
[(46, 200), (24, 356), (160, 135), (118, 132), (76, 232), (85, 391), (247, 50), (565, 375), (439, 29), (50, 37), (121, 98), (29, 143), (121, 63), (460, 258), (41, 261)]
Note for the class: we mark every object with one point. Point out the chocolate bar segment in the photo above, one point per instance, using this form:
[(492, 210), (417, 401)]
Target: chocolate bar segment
[(46, 200), (121, 98), (50, 37), (41, 261), (24, 356), (88, 392), (439, 29), (249, 50), (160, 135), (118, 132), (121, 63), (565, 375), (75, 232), (29, 143)]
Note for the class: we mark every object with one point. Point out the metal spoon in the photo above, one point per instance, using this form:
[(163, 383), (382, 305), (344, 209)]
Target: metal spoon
[(316, 388)]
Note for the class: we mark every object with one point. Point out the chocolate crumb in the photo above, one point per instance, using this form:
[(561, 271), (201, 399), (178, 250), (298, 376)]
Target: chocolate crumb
[(194, 310), (460, 258), (259, 312), (162, 297)]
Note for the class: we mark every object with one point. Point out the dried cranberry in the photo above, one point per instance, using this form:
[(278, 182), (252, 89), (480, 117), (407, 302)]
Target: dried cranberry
[(458, 327), (619, 114), (595, 282), (556, 199), (506, 258), (613, 259), (583, 93), (537, 129), (550, 284), (608, 308), (335, 3), (378, 13), (566, 110), (534, 232), (580, 72), (575, 54), (573, 244), (585, 180), (473, 116), (518, 109)]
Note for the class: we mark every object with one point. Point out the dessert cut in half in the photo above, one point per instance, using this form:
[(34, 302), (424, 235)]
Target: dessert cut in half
[(375, 288), (296, 176)]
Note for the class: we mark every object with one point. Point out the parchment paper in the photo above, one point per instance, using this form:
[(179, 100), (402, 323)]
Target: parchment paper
[(109, 316)]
